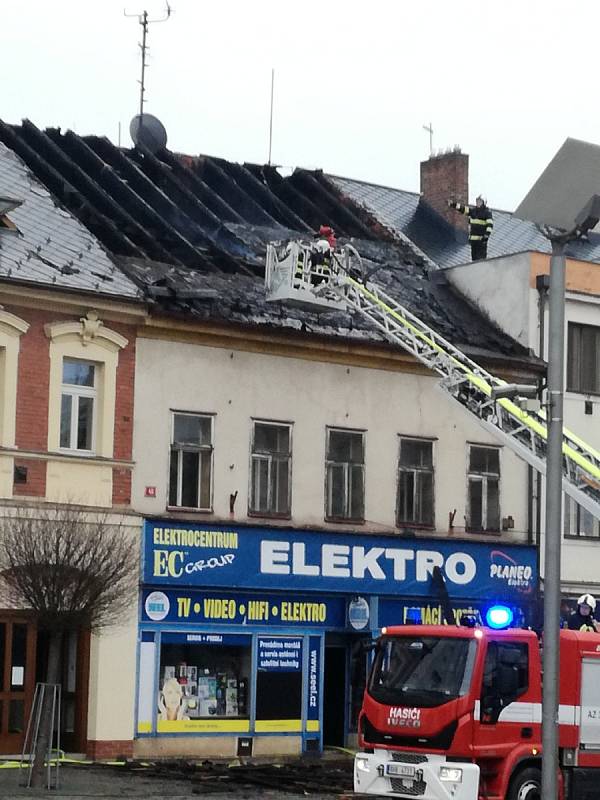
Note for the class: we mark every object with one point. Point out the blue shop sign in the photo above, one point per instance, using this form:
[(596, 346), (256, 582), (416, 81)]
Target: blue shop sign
[(237, 608), (279, 654), (224, 639), (254, 558), (393, 611)]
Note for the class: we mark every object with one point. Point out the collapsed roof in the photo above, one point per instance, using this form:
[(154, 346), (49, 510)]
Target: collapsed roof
[(191, 234)]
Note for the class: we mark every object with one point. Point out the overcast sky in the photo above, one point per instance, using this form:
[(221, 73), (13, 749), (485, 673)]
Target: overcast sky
[(508, 81)]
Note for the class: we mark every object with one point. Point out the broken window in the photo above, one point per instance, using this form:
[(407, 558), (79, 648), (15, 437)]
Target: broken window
[(270, 478), (190, 481), (415, 483), (78, 397), (578, 521), (583, 359), (483, 502), (345, 475)]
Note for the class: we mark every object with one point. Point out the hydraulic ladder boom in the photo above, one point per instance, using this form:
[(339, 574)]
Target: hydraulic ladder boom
[(525, 432)]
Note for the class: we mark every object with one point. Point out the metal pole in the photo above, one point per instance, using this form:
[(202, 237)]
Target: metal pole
[(552, 544), (144, 24), (271, 115)]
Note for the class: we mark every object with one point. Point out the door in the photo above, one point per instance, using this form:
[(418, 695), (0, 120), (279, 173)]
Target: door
[(17, 681), (334, 696)]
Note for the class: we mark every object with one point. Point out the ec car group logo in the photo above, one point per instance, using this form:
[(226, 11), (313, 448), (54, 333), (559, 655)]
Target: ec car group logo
[(513, 575)]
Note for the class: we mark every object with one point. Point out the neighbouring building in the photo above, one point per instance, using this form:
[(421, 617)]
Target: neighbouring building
[(68, 322), (299, 477)]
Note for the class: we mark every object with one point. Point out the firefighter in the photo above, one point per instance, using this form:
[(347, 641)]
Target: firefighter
[(583, 618), (481, 225), (322, 253)]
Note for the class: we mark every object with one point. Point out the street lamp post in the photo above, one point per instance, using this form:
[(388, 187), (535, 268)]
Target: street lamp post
[(552, 541), (586, 220)]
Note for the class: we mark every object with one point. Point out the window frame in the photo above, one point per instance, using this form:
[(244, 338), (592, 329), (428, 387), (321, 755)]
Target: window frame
[(76, 392), (330, 464), (416, 471), (576, 329), (573, 513), (482, 477), (269, 458), (200, 449)]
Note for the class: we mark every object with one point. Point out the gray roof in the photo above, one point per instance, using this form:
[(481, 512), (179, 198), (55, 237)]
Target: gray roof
[(403, 212), (50, 246)]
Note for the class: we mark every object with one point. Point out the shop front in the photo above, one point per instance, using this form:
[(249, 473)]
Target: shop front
[(252, 640)]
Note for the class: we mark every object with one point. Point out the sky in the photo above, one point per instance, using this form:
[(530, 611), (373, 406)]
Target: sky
[(355, 82)]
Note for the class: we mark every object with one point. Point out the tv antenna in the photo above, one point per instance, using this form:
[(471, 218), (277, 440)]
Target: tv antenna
[(144, 20), (429, 129)]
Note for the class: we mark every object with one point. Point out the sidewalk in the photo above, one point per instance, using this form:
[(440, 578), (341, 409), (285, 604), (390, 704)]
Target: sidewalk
[(183, 780)]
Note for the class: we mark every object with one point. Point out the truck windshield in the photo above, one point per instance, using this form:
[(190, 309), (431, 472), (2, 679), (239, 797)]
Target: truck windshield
[(425, 671)]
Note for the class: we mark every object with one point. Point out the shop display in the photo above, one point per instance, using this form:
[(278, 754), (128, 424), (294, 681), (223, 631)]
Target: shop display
[(192, 692)]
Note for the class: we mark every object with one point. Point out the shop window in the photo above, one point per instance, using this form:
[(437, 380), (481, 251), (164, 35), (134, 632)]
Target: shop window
[(78, 399), (345, 475), (190, 482), (415, 483), (270, 483), (578, 521), (202, 680), (583, 359), (483, 501), (279, 685)]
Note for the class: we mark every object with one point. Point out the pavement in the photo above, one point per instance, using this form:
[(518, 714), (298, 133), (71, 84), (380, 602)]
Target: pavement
[(172, 781)]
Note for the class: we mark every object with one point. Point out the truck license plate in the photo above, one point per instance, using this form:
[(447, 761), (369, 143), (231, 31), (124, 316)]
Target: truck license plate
[(400, 770)]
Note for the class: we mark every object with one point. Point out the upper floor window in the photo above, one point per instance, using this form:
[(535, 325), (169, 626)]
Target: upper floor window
[(415, 483), (578, 521), (77, 407), (583, 359), (190, 481), (483, 501), (345, 475), (271, 457)]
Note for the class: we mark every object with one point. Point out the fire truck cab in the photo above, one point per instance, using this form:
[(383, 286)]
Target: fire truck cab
[(456, 713)]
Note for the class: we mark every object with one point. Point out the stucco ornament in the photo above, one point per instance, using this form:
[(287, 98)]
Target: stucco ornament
[(90, 326)]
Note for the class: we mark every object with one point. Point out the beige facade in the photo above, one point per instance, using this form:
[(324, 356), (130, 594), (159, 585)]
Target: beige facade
[(238, 386)]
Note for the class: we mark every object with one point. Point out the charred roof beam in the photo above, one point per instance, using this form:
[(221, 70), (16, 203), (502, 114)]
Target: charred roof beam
[(100, 226), (213, 174), (338, 215), (176, 247)]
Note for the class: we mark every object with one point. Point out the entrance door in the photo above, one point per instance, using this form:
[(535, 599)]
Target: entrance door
[(17, 681), (334, 698)]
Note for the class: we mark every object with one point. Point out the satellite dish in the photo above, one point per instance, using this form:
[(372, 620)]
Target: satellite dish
[(149, 132)]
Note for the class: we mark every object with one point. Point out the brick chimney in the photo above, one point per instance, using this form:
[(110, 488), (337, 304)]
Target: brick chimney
[(446, 177)]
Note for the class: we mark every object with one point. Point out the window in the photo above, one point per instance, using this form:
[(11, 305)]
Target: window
[(483, 502), (345, 475), (583, 359), (505, 678), (202, 680), (271, 470), (77, 405), (415, 483), (190, 482), (578, 521)]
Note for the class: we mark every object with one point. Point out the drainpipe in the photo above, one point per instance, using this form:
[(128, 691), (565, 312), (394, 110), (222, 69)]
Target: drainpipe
[(542, 284)]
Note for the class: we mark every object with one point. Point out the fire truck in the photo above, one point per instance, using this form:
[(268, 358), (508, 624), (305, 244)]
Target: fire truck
[(455, 712)]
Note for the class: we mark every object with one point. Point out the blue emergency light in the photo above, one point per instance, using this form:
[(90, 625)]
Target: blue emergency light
[(498, 617)]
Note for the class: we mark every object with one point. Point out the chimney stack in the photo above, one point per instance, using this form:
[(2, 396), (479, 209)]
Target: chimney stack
[(446, 177)]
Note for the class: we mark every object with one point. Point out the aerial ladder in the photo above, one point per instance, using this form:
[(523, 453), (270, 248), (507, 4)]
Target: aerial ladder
[(339, 282)]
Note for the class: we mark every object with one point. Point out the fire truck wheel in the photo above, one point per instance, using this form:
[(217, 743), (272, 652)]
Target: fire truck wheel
[(527, 785)]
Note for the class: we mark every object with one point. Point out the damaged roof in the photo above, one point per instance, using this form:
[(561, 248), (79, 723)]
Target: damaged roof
[(42, 243), (406, 214), (191, 233)]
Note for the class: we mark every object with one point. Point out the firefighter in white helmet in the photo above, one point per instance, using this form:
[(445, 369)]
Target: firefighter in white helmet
[(583, 618)]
